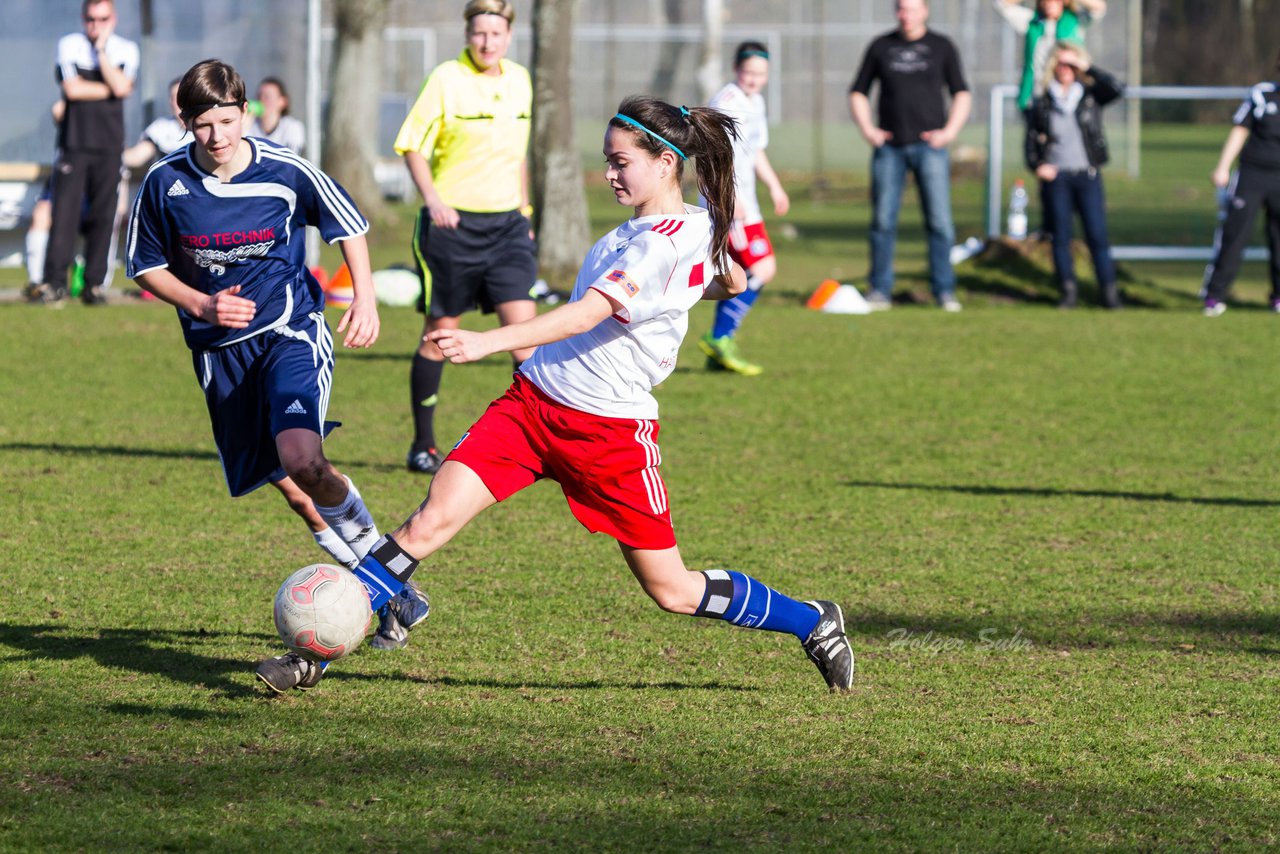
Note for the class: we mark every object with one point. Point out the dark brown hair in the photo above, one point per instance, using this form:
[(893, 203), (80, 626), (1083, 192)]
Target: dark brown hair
[(698, 132), (208, 84), (746, 50), (279, 84)]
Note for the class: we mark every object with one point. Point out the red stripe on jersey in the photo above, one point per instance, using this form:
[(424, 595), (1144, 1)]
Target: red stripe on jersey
[(697, 276)]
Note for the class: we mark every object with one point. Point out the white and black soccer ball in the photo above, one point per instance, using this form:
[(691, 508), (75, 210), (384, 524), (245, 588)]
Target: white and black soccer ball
[(322, 612)]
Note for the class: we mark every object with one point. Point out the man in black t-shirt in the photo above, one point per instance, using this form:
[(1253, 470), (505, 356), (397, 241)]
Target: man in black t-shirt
[(96, 69), (912, 65), (1255, 138)]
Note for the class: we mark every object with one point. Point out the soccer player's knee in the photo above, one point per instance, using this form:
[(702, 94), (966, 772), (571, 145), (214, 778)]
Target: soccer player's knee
[(308, 472), (671, 598)]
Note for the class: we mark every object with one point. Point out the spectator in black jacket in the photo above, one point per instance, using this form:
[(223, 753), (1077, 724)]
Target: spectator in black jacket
[(1066, 148)]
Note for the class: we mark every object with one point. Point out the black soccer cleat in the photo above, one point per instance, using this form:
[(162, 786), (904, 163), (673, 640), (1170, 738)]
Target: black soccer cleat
[(424, 462), (828, 648), (289, 671), (406, 609)]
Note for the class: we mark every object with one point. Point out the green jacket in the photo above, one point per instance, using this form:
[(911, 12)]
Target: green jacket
[(1069, 27)]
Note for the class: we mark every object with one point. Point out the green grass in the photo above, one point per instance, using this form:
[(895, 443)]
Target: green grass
[(1053, 535)]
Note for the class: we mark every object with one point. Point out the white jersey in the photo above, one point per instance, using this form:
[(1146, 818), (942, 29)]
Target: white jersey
[(656, 268), (167, 134), (753, 137), (289, 132)]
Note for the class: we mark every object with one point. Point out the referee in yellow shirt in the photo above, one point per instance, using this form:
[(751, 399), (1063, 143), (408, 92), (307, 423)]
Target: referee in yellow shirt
[(465, 143)]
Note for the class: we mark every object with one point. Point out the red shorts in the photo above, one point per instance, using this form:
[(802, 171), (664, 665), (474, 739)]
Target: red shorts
[(749, 244), (607, 467)]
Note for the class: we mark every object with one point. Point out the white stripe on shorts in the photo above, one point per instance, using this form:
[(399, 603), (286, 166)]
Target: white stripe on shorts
[(654, 487)]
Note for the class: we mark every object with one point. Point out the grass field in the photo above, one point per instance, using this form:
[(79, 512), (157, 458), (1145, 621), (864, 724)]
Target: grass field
[(1053, 535)]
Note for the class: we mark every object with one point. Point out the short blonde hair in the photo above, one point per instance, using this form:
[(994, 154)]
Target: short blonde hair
[(1075, 47), (489, 7)]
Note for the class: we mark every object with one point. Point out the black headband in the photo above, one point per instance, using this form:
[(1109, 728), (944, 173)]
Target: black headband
[(191, 112)]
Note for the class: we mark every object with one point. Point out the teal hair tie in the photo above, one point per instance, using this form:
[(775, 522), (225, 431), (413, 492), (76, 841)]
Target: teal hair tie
[(620, 117), (684, 111)]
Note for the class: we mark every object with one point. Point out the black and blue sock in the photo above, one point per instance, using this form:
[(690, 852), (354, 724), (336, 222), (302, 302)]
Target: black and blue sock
[(384, 571), (744, 601)]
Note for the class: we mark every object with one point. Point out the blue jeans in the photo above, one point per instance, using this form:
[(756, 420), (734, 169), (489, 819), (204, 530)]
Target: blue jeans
[(932, 170), (1079, 192)]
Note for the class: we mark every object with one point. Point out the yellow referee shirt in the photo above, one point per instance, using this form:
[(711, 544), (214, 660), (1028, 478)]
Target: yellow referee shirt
[(473, 128)]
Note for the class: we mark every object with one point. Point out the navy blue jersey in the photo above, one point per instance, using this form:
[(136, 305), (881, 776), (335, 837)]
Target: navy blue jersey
[(249, 231), (1260, 113)]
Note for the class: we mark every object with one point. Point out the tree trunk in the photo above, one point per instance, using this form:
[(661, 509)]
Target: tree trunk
[(669, 52), (709, 64), (351, 131), (560, 203)]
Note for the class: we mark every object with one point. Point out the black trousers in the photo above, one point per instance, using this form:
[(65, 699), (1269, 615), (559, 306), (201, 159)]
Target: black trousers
[(1253, 189), (85, 192)]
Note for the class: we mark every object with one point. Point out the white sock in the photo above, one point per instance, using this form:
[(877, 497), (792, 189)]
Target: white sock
[(352, 521), (337, 548), (37, 243)]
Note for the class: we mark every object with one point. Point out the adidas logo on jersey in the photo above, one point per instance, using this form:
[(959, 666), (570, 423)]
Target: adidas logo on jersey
[(296, 408), (178, 189)]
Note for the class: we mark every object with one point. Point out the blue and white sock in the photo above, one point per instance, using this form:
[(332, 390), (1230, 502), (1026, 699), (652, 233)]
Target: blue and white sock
[(731, 312), (744, 601), (337, 547), (384, 571), (351, 520)]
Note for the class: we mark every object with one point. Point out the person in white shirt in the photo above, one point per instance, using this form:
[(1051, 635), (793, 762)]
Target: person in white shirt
[(581, 411), (749, 243), (165, 135), (274, 122)]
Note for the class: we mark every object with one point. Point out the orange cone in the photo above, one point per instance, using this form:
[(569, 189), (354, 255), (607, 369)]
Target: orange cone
[(822, 294)]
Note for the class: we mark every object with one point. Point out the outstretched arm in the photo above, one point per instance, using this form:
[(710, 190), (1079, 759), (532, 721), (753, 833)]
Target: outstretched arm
[(462, 345)]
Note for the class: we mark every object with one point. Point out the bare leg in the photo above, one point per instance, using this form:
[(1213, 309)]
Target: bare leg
[(516, 311), (300, 503), (457, 496), (665, 578)]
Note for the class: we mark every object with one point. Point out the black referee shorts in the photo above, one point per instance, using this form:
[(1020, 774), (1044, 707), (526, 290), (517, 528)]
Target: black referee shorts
[(488, 259)]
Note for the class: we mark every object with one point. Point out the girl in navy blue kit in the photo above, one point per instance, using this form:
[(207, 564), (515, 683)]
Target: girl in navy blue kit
[(218, 231)]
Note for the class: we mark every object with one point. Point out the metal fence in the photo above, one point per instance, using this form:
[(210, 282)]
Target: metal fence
[(619, 47)]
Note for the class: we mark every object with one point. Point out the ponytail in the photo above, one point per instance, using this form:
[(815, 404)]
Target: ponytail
[(693, 132)]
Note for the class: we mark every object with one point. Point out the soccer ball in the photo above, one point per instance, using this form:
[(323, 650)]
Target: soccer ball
[(322, 612), (396, 286)]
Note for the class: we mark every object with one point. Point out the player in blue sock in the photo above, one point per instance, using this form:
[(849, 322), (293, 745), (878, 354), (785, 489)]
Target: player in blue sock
[(749, 244), (580, 410)]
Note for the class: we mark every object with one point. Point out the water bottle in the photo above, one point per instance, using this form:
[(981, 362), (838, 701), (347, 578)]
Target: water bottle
[(1016, 227)]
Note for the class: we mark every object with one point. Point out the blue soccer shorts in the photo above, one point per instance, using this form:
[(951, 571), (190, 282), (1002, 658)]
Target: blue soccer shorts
[(255, 388)]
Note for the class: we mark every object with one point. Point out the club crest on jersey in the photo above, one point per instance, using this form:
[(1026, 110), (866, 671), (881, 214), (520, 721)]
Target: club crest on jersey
[(621, 278)]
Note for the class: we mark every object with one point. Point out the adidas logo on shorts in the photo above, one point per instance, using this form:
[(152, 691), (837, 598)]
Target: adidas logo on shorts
[(178, 189), (296, 408)]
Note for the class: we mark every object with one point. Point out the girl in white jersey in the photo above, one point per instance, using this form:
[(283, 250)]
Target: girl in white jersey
[(749, 243), (580, 410)]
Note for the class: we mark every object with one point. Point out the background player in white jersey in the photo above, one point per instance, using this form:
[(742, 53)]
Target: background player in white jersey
[(581, 410), (749, 243), (163, 136), (218, 231)]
